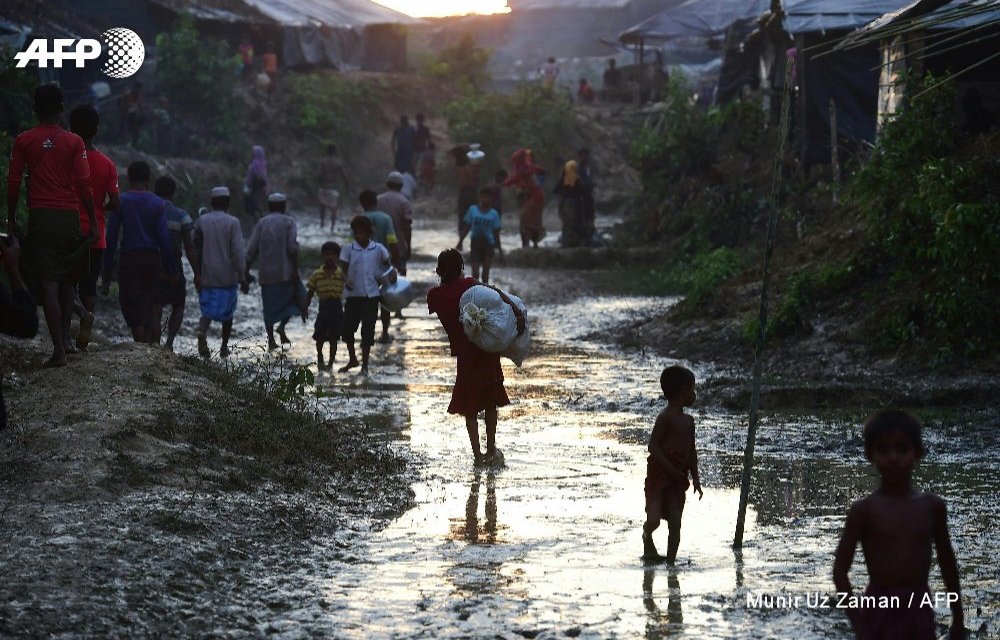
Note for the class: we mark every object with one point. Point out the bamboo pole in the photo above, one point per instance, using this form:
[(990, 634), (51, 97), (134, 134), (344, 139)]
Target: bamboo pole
[(834, 155), (758, 358)]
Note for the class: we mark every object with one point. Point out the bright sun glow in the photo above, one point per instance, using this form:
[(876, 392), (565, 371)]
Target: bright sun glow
[(437, 8)]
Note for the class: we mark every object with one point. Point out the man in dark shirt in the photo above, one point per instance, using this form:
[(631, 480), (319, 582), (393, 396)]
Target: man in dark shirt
[(17, 309), (402, 145)]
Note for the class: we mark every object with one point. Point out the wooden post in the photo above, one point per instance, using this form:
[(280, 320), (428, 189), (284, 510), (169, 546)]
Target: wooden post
[(642, 71), (758, 358), (802, 125), (834, 155)]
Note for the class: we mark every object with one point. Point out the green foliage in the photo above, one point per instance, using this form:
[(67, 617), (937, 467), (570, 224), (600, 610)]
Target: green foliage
[(801, 293), (697, 278), (462, 63), (532, 117), (934, 211), (198, 76), (681, 143), (332, 109), (17, 88)]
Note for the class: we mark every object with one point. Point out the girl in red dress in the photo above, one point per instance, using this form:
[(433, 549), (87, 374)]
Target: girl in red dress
[(479, 382)]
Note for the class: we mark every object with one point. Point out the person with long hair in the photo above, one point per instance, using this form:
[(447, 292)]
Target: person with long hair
[(479, 379)]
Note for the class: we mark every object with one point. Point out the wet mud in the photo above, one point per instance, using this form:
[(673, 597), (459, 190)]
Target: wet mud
[(546, 546)]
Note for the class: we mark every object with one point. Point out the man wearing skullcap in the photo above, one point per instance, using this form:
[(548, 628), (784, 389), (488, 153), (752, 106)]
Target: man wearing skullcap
[(275, 243), (219, 242)]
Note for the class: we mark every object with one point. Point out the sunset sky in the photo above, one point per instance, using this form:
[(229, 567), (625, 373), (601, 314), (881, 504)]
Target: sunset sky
[(436, 8)]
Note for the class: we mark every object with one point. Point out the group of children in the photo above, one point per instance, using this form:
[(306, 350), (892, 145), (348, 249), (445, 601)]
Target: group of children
[(896, 525)]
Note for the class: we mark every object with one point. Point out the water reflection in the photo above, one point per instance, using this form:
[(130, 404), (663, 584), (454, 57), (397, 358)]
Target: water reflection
[(659, 625), (468, 528)]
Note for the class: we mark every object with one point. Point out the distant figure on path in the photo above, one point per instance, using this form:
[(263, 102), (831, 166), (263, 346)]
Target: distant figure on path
[(383, 233), (530, 196), (611, 82), (483, 222), (141, 219), (896, 526), (275, 241), (56, 255), (403, 139), (479, 379), (219, 242), (672, 455), (83, 121), (467, 175), (255, 185), (549, 72), (576, 201), (327, 283), (585, 93), (362, 261), (173, 291), (423, 144), (328, 197), (398, 207)]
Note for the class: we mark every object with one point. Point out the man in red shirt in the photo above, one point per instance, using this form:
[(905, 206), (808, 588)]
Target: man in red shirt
[(83, 121), (55, 253)]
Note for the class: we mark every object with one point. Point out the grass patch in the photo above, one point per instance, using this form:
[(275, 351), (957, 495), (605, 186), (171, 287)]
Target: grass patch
[(697, 279)]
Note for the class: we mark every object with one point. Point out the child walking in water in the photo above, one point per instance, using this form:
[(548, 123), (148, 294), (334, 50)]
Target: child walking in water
[(672, 455), (327, 283), (896, 526), (479, 382)]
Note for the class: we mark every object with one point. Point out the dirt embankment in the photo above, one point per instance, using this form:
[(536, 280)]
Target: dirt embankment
[(133, 478)]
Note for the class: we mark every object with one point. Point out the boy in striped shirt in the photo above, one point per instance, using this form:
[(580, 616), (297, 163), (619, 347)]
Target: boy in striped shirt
[(327, 283)]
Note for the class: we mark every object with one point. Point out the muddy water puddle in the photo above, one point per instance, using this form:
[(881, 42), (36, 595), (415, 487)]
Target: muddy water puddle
[(549, 546)]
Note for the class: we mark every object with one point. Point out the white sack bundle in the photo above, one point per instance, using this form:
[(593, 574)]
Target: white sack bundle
[(487, 320), (518, 349)]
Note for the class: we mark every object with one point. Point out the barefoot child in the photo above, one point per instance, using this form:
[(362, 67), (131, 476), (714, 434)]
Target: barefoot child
[(483, 222), (672, 455), (479, 381), (896, 526), (327, 282), (361, 261)]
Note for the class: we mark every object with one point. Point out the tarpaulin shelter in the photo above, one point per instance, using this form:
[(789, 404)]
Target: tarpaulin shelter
[(847, 80), (716, 26), (343, 34), (941, 37)]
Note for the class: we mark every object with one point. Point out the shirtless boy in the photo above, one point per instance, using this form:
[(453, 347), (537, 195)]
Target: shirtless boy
[(672, 456), (896, 526)]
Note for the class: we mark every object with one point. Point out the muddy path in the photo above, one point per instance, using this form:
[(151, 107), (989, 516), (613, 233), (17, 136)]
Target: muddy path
[(547, 546)]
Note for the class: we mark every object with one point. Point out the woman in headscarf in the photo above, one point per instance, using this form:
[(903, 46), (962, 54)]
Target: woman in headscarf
[(530, 196), (255, 185), (576, 204)]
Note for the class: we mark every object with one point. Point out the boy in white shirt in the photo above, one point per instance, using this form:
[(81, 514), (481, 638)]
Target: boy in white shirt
[(362, 261)]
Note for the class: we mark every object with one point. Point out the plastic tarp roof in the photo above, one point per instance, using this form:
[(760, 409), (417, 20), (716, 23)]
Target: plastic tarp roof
[(805, 16), (534, 5), (934, 11), (695, 18), (332, 13)]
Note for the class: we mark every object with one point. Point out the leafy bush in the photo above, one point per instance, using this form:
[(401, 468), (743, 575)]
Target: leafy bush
[(199, 75), (696, 278), (802, 291), (17, 88), (934, 211), (532, 117), (463, 63), (332, 109)]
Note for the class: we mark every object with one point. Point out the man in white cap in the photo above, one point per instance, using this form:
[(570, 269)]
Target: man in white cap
[(274, 240), (219, 242), (398, 206)]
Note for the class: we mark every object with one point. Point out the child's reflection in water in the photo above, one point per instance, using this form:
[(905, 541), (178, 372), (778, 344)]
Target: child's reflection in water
[(658, 625)]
